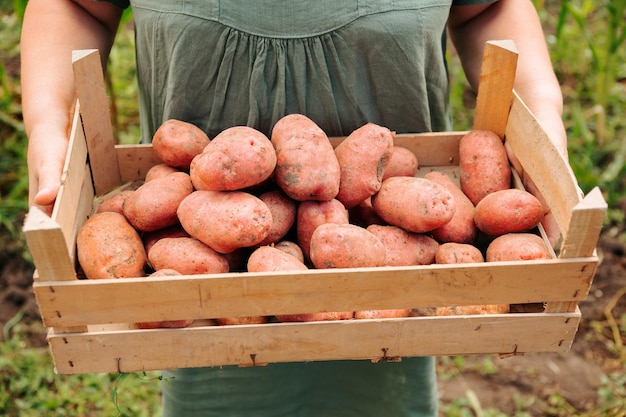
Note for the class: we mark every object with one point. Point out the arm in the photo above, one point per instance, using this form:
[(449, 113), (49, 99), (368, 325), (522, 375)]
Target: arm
[(51, 30), (471, 26)]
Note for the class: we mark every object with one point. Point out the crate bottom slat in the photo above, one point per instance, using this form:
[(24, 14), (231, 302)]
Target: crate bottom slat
[(129, 350)]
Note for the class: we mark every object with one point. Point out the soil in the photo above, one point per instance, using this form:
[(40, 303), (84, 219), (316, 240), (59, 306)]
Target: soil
[(575, 375)]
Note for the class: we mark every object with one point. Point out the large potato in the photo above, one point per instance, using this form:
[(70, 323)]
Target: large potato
[(346, 246), (306, 164), (225, 220), (153, 205), (109, 247), (405, 248), (483, 164), (363, 156), (517, 247), (186, 255), (508, 211), (177, 142), (414, 204), (461, 228), (238, 157)]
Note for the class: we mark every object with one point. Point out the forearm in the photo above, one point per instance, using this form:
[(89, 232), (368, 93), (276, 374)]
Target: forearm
[(535, 80), (51, 30)]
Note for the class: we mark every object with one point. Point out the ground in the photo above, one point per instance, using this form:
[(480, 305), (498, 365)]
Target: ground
[(575, 375)]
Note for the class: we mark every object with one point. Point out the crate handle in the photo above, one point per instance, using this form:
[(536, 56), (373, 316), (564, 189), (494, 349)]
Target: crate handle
[(95, 116)]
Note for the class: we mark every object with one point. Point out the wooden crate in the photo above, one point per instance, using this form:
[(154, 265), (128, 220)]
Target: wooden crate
[(88, 319)]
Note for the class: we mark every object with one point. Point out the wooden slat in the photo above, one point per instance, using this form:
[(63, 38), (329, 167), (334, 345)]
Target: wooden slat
[(135, 161), (585, 226), (242, 294), (47, 246), (249, 345), (542, 163), (495, 89), (96, 119)]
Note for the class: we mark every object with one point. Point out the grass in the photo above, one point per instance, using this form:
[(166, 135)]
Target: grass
[(592, 70)]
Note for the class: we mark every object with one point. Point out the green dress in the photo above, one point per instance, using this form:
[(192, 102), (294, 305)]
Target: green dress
[(342, 63)]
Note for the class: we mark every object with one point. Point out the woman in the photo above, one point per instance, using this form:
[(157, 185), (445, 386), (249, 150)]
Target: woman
[(223, 63)]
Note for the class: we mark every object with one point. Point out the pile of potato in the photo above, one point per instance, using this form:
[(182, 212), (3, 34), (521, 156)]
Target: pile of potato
[(243, 201)]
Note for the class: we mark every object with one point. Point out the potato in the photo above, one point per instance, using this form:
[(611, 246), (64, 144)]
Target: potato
[(312, 214), (234, 321), (508, 211), (291, 248), (473, 310), (414, 204), (186, 255), (237, 158), (461, 228), (284, 211), (517, 247), (150, 238), (268, 258), (403, 163), (363, 156), (405, 248), (164, 323), (176, 143), (115, 202), (321, 316), (345, 246), (458, 253), (108, 246), (160, 170), (382, 314), (483, 164), (306, 164), (225, 220), (153, 205)]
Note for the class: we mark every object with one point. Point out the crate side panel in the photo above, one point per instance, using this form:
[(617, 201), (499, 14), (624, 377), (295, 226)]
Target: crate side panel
[(249, 345), (135, 160), (245, 294)]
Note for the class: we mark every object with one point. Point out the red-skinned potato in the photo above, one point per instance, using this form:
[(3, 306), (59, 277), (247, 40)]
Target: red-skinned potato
[(363, 214), (225, 220), (171, 324), (150, 238), (284, 211), (291, 248), (517, 247), (312, 214), (346, 246), (321, 316), (508, 211), (114, 202), (461, 228), (414, 204), (363, 156), (458, 253), (306, 164), (382, 314), (177, 142), (108, 246), (403, 163), (483, 164), (160, 170), (186, 255), (405, 248), (238, 157), (153, 205), (269, 258)]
